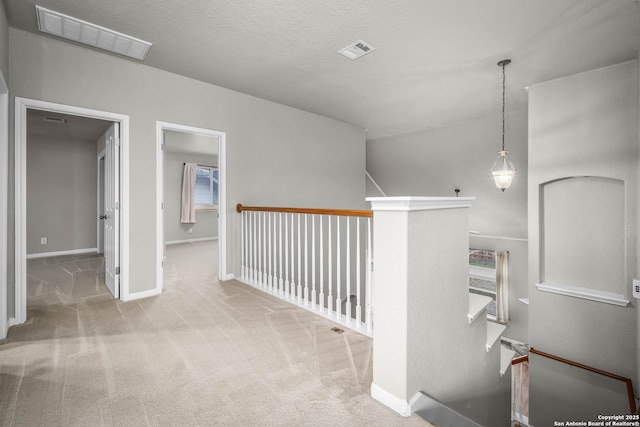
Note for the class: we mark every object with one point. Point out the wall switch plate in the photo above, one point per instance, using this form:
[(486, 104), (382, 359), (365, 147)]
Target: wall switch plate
[(43, 240), (636, 288)]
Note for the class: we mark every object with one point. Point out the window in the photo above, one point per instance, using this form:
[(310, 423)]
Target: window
[(206, 188), (482, 277)]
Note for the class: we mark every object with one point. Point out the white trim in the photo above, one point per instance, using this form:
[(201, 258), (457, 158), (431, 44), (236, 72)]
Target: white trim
[(373, 181), (222, 195), (13, 322), (418, 203), (202, 239), (230, 276), (4, 199), (99, 224), (400, 406), (584, 293), (142, 294), (61, 253), (484, 236), (21, 106)]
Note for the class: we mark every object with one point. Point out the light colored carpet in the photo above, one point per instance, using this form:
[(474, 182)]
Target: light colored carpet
[(203, 353)]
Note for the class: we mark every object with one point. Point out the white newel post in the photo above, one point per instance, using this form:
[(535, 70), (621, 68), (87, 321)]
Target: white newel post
[(420, 268)]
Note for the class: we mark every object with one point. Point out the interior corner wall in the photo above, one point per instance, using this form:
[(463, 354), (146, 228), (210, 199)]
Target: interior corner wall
[(61, 194), (436, 161), (206, 225), (584, 125), (276, 155)]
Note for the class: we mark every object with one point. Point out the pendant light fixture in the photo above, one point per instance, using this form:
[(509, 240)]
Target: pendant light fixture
[(503, 170)]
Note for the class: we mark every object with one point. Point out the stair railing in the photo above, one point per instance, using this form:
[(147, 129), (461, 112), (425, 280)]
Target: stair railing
[(315, 258), (627, 381)]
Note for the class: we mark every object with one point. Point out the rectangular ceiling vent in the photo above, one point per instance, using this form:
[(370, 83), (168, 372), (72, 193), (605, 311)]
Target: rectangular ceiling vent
[(356, 50), (90, 34)]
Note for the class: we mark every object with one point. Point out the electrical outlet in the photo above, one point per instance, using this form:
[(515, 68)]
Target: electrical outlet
[(636, 288), (43, 240), (190, 230)]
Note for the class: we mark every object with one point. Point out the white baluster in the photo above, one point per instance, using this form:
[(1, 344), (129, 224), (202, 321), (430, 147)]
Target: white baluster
[(299, 262), (264, 249), (348, 262), (321, 296), (254, 246), (338, 272), (369, 287), (313, 262), (358, 266), (306, 261), (330, 296), (286, 255), (269, 272), (259, 248), (292, 293), (242, 245), (280, 280), (274, 280)]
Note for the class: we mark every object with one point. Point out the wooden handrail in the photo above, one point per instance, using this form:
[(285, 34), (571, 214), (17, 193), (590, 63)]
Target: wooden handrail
[(627, 381), (312, 211), (520, 359)]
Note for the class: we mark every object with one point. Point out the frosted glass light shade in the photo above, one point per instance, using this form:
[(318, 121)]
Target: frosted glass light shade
[(503, 170)]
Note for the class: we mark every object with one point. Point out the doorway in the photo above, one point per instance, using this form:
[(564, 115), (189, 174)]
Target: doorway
[(4, 166), (177, 146), (117, 140)]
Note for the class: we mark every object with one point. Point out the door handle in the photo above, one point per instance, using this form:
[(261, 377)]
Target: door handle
[(103, 217)]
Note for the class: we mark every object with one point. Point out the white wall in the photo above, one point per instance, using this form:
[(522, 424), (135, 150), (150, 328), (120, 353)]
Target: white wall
[(61, 194), (276, 155), (436, 161), (583, 125), (206, 225), (423, 340)]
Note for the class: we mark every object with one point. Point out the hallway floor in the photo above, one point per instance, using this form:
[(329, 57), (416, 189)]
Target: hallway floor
[(203, 353)]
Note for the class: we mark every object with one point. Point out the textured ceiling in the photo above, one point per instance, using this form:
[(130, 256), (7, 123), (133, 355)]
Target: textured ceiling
[(434, 63)]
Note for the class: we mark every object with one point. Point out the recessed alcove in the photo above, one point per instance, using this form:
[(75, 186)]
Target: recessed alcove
[(582, 234)]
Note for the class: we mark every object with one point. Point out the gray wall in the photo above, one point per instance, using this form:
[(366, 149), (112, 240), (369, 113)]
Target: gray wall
[(436, 161), (276, 155), (206, 221), (61, 194), (582, 125), (4, 42)]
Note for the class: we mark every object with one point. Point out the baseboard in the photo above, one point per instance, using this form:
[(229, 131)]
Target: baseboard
[(201, 239), (400, 406), (139, 295), (61, 253), (229, 277)]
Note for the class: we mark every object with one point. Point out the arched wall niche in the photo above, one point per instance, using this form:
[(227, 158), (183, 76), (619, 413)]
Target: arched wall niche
[(583, 233)]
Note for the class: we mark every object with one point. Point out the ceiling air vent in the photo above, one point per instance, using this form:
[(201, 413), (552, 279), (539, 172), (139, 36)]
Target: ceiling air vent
[(356, 50), (50, 119), (90, 34)]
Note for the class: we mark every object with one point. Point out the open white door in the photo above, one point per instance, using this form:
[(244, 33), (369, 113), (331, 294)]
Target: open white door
[(112, 211)]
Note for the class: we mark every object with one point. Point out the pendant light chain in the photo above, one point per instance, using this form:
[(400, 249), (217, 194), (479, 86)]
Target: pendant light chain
[(503, 102)]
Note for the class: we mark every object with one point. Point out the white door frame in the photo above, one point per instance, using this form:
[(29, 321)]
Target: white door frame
[(100, 195), (4, 191), (22, 104), (222, 196)]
